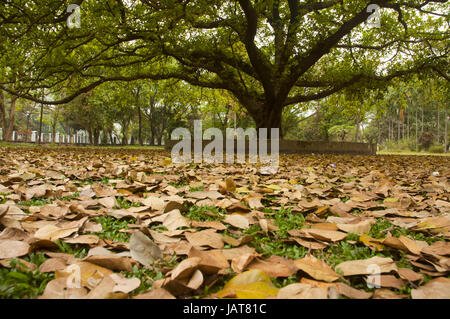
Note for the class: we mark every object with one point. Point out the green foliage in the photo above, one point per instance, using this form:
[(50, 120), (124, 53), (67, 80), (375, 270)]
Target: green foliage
[(36, 202), (78, 251), (197, 189), (18, 282), (112, 226), (426, 140), (198, 213), (436, 149), (125, 204), (400, 145), (382, 226), (146, 276)]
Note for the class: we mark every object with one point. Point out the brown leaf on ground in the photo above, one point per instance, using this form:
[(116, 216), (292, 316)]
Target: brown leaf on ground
[(123, 284), (163, 239), (83, 239), (274, 266), (185, 268), (117, 263), (207, 237), (438, 288), (211, 261), (301, 291), (403, 243), (360, 228), (11, 233), (57, 289), (172, 220), (13, 248), (90, 274), (384, 293), (388, 281), (238, 208), (104, 290), (351, 292), (327, 235), (316, 268), (240, 263), (237, 242), (233, 253), (408, 274), (209, 224), (143, 249), (52, 232), (196, 280), (52, 265), (441, 248), (310, 244), (366, 266), (237, 221), (158, 293)]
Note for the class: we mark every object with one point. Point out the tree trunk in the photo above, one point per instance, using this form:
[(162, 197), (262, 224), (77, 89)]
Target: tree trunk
[(91, 136), (40, 121), (407, 125), (96, 136), (3, 113), (421, 130), (7, 124), (417, 128), (26, 128), (446, 132), (389, 128), (437, 136), (268, 117), (140, 126)]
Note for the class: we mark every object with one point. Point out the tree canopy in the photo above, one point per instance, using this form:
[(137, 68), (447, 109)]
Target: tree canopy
[(268, 54)]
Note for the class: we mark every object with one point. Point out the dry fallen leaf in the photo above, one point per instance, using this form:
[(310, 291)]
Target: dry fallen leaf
[(438, 288), (185, 268), (211, 261), (366, 266), (143, 249), (301, 291), (237, 221), (252, 284), (207, 237), (13, 248), (274, 266), (316, 268), (403, 243), (158, 293)]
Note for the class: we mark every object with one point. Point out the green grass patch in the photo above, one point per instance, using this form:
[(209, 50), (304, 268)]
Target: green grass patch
[(197, 189), (125, 204), (275, 243), (382, 226), (198, 213), (79, 251), (180, 183), (112, 226), (18, 282), (36, 202), (71, 197), (423, 153)]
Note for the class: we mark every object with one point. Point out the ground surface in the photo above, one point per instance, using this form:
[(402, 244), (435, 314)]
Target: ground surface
[(118, 223)]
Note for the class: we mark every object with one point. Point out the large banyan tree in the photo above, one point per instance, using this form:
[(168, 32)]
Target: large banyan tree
[(268, 53)]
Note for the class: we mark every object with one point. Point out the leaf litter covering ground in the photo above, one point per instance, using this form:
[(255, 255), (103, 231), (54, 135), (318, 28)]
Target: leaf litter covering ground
[(123, 223)]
